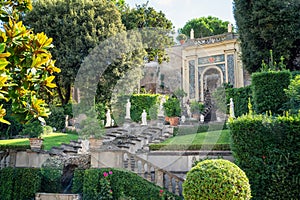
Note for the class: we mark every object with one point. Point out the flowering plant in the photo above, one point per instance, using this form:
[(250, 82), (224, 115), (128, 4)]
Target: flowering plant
[(105, 187)]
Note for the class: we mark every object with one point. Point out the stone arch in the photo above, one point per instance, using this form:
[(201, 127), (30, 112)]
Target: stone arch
[(211, 78)]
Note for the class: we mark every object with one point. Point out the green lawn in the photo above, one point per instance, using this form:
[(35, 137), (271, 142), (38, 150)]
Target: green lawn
[(50, 140), (213, 137)]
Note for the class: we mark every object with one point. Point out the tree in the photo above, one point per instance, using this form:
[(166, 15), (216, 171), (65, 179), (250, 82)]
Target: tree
[(26, 65), (77, 26), (147, 17), (268, 25), (205, 26)]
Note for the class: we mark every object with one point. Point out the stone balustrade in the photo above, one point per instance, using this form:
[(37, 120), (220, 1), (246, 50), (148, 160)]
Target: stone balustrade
[(145, 169)]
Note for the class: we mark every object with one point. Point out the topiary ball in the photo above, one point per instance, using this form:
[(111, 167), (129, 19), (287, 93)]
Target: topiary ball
[(216, 179)]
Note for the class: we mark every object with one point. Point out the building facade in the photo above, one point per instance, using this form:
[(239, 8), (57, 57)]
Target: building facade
[(199, 66)]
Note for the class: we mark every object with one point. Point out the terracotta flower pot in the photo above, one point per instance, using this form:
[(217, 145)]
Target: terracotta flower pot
[(174, 121), (36, 143)]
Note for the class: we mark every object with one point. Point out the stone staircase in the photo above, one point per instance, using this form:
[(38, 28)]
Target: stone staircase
[(121, 149)]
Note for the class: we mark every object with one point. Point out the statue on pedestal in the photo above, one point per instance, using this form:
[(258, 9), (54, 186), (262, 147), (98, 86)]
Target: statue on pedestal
[(128, 105), (231, 109), (108, 119), (144, 118)]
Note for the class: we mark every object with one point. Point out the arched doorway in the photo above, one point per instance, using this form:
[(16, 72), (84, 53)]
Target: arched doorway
[(212, 79)]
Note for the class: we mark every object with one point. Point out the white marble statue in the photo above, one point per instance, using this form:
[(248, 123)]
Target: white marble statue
[(128, 105), (144, 118), (188, 110), (183, 119), (201, 118), (108, 119), (231, 108), (85, 145), (161, 106)]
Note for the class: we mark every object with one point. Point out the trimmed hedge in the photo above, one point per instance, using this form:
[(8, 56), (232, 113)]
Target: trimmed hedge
[(122, 183), (143, 101), (19, 183), (15, 147), (149, 102), (267, 149), (268, 90), (214, 147), (240, 98)]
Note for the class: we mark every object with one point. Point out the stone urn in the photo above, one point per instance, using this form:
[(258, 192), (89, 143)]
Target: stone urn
[(36, 143), (95, 143)]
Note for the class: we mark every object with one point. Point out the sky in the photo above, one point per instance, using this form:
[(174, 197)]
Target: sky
[(181, 11)]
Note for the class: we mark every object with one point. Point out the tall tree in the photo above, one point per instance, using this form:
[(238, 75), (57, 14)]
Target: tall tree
[(26, 65), (143, 16), (77, 26), (205, 26), (266, 25)]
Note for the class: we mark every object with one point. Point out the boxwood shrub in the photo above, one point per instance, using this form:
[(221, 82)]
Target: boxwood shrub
[(216, 179), (268, 90), (267, 149)]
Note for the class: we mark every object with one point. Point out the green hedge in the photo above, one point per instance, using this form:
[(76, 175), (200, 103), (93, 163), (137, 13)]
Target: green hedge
[(19, 183), (267, 149), (23, 183), (122, 183), (215, 147), (143, 101), (15, 147), (240, 98), (268, 90)]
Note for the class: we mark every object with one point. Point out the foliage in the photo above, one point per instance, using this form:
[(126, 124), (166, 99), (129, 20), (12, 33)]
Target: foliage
[(172, 107), (181, 37), (33, 129), (267, 149), (15, 147), (240, 98), (221, 98), (91, 126), (77, 26), (57, 118), (268, 94), (119, 182), (51, 180), (216, 179), (140, 102), (196, 107), (268, 24), (293, 93), (205, 26), (19, 183), (147, 17), (12, 129), (26, 67)]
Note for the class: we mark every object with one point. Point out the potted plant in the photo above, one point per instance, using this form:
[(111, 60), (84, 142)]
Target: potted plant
[(34, 130), (172, 110), (92, 130), (181, 38), (196, 109)]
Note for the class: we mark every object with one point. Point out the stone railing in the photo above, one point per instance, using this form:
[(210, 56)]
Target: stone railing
[(145, 169), (214, 39)]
